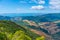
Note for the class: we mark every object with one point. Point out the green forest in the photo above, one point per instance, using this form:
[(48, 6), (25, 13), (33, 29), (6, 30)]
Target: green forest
[(12, 31)]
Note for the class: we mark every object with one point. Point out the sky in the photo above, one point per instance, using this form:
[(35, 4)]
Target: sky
[(29, 6)]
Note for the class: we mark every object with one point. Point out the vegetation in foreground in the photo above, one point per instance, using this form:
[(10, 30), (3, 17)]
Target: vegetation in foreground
[(11, 31)]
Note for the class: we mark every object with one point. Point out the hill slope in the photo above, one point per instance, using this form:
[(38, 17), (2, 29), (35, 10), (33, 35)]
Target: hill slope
[(11, 31)]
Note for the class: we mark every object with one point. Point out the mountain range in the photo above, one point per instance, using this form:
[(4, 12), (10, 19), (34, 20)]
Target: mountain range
[(32, 21)]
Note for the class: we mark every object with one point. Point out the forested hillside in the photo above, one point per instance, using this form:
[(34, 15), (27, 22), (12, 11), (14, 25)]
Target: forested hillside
[(11, 31)]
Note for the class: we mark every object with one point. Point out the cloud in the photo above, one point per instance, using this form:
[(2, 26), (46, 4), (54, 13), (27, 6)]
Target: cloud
[(23, 2), (36, 1), (41, 2), (56, 7), (39, 7), (33, 1), (54, 4)]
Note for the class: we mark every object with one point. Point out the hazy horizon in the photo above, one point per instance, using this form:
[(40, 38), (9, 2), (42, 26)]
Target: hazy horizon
[(24, 14)]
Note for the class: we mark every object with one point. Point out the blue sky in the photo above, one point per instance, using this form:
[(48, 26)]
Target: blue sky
[(29, 6)]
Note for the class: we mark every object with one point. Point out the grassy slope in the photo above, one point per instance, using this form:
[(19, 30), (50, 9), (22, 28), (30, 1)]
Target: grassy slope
[(9, 27)]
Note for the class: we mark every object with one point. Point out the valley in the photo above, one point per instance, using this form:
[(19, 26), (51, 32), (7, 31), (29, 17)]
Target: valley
[(35, 27)]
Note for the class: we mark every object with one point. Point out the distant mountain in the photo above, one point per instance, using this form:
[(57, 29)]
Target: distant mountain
[(21, 14), (51, 17), (34, 17), (5, 17), (43, 18)]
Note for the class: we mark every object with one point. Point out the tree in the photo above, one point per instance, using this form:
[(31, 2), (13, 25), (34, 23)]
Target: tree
[(40, 38), (20, 35), (3, 36)]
